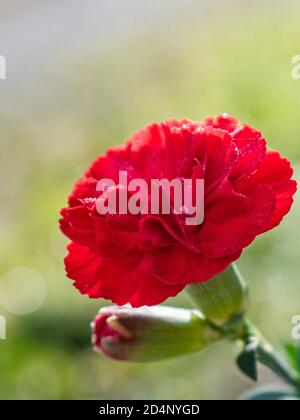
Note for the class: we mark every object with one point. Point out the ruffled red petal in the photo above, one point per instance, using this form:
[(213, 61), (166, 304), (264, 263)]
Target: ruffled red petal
[(177, 265), (276, 172), (101, 278)]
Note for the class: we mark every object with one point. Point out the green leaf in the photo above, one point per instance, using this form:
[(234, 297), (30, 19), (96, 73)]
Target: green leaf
[(271, 393), (247, 362)]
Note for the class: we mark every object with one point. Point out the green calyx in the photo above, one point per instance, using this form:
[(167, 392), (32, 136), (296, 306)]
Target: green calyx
[(222, 299)]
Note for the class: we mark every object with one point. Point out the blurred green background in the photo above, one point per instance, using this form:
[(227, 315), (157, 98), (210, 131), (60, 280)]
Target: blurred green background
[(82, 76)]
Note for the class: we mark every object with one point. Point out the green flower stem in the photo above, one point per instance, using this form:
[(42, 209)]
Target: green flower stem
[(223, 302), (267, 356)]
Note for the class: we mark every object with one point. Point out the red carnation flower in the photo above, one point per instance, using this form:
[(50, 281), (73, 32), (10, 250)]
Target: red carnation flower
[(145, 259)]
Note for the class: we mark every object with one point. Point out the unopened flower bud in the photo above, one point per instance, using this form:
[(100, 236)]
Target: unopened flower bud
[(149, 334)]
